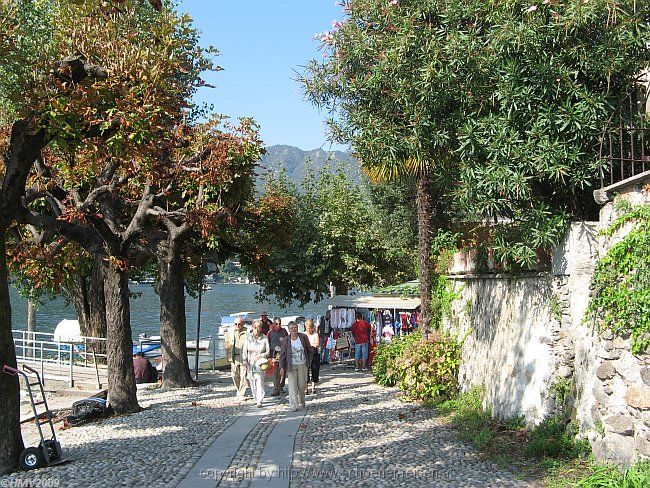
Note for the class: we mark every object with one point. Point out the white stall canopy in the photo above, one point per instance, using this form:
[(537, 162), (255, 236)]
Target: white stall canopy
[(375, 302)]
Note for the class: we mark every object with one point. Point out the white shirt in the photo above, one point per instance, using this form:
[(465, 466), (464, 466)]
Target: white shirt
[(297, 352)]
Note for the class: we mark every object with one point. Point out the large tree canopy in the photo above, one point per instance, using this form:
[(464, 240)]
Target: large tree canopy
[(499, 103), (333, 236), (506, 98), (101, 84)]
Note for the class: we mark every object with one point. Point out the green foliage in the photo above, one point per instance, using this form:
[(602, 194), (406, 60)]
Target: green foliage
[(621, 281), (472, 420), (555, 307), (560, 389), (384, 364), (423, 370), (429, 368), (333, 237), (403, 290), (605, 477), (443, 295), (550, 439), (394, 210), (553, 438), (500, 104), (26, 35)]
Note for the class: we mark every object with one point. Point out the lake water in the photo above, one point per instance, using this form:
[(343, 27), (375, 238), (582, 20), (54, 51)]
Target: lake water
[(145, 309)]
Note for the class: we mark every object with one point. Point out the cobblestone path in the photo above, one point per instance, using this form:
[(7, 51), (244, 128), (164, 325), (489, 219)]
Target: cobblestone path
[(353, 433)]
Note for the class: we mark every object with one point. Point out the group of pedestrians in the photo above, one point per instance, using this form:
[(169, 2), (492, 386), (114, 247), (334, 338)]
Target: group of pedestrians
[(294, 356)]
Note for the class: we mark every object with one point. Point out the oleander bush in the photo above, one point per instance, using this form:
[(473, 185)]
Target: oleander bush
[(383, 365), (422, 369)]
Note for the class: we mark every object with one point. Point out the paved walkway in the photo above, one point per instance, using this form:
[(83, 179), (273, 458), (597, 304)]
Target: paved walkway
[(353, 433)]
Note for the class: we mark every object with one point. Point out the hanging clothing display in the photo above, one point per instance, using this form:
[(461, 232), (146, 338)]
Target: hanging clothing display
[(342, 318)]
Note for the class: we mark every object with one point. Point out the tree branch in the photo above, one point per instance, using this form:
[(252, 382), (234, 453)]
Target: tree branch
[(57, 207), (93, 196), (139, 220), (74, 232)]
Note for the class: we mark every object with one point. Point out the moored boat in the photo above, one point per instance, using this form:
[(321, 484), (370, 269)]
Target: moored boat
[(150, 345), (228, 321)]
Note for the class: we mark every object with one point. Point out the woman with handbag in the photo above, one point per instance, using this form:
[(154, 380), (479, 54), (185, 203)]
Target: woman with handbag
[(295, 356), (257, 352)]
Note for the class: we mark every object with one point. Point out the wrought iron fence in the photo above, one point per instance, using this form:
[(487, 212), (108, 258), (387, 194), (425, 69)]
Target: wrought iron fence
[(625, 143)]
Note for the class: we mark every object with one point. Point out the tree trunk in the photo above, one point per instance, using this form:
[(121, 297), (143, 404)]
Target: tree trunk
[(11, 441), (173, 326), (423, 198), (31, 316), (119, 345), (87, 295)]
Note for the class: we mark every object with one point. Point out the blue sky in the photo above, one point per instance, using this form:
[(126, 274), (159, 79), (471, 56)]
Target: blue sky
[(261, 43)]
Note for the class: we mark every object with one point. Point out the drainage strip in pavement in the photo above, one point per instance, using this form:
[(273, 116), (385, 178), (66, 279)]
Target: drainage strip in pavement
[(215, 461), (274, 467)]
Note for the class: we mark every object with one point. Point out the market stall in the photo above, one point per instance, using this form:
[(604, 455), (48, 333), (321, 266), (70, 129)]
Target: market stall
[(389, 315)]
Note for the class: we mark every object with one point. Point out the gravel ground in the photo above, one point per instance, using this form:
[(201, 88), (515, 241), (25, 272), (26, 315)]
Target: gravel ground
[(155, 447), (355, 434)]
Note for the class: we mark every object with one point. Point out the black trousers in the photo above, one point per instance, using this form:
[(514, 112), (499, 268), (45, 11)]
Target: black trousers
[(314, 367)]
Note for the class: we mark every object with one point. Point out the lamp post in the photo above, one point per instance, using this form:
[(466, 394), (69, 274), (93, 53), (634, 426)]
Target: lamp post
[(198, 328)]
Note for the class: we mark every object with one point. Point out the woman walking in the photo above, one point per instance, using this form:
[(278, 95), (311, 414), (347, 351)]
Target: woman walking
[(295, 355), (257, 347), (314, 367)]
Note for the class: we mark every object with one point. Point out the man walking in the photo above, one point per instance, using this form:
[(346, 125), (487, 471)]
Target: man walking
[(276, 335), (235, 352), (324, 329), (361, 334), (266, 323)]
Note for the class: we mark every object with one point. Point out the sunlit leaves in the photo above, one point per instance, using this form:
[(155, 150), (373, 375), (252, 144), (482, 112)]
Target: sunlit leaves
[(503, 104), (330, 237)]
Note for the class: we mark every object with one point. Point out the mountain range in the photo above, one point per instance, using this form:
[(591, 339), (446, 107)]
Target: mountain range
[(295, 162)]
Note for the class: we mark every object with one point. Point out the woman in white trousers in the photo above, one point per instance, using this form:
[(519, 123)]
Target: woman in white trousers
[(295, 356), (257, 347)]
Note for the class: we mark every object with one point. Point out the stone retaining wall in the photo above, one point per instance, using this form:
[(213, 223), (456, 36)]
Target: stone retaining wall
[(527, 344)]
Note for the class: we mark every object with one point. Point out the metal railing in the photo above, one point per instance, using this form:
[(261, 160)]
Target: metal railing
[(625, 143), (42, 348)]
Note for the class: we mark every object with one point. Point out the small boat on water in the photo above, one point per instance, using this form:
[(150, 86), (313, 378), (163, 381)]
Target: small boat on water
[(227, 321), (150, 345), (204, 344), (206, 288)]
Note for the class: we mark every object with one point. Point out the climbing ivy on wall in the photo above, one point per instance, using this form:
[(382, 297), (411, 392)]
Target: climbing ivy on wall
[(621, 281)]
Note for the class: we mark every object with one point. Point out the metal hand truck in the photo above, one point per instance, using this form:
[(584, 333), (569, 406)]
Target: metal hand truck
[(48, 452)]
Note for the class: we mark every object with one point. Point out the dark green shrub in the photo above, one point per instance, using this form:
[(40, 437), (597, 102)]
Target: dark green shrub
[(553, 438), (429, 369), (383, 365), (423, 370)]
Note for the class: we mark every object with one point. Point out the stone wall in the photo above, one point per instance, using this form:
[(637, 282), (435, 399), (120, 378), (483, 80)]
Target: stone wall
[(520, 329), (526, 341), (510, 335), (612, 385)]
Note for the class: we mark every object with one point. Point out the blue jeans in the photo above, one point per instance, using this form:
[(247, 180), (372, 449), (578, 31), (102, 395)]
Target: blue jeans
[(324, 351), (361, 351)]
